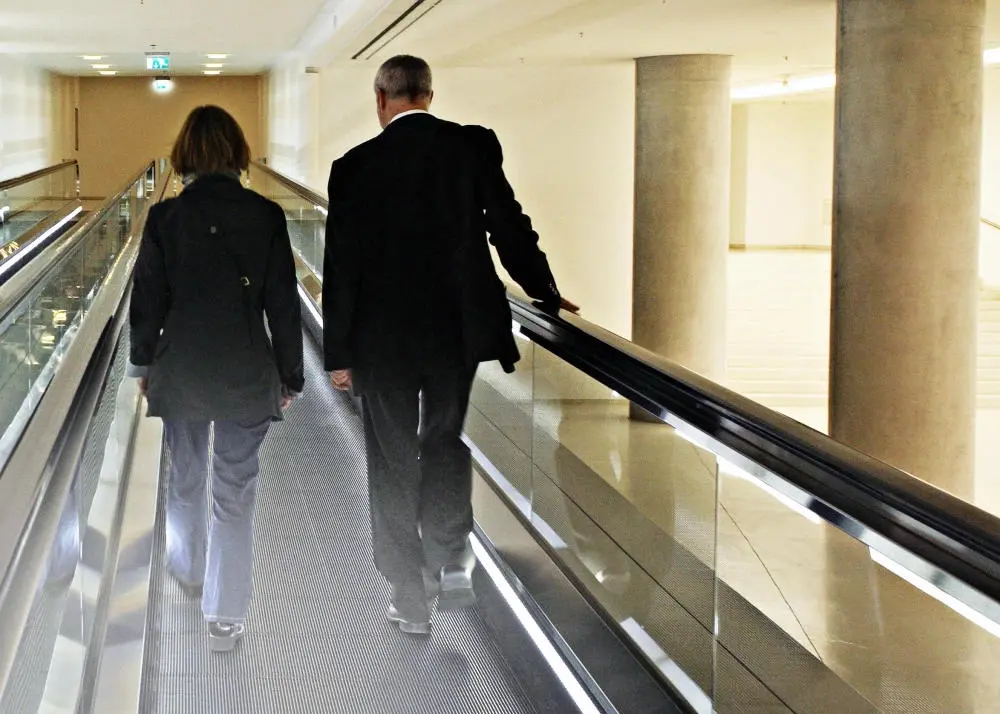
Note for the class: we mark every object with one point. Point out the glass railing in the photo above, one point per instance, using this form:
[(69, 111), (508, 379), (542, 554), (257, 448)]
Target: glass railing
[(27, 200), (306, 214), (756, 565), (65, 349), (38, 323)]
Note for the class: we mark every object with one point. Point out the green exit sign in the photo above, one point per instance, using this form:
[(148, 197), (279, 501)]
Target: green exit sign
[(158, 63)]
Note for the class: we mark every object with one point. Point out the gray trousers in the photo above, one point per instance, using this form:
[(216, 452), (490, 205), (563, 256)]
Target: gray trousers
[(419, 476), (220, 555)]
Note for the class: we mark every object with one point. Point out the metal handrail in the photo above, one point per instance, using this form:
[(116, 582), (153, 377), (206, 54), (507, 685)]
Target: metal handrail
[(36, 238), (301, 189), (878, 504), (19, 284), (40, 173), (51, 447)]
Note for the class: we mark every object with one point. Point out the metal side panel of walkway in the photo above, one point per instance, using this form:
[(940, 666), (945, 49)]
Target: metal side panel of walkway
[(318, 640)]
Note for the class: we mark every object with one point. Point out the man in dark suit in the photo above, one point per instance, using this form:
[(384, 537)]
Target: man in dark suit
[(412, 305)]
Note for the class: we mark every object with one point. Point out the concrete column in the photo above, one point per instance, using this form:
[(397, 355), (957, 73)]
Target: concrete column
[(682, 165), (906, 231)]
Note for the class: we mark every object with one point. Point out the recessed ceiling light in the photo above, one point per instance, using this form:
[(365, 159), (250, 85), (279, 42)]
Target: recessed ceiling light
[(214, 65), (101, 66), (93, 58), (213, 71), (217, 56), (107, 73)]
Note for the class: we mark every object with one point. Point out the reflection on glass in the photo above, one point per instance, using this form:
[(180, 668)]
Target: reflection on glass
[(742, 597), (24, 205), (306, 226), (48, 671), (36, 333)]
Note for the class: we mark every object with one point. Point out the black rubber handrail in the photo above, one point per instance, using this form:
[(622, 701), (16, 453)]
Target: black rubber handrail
[(947, 532), (35, 175)]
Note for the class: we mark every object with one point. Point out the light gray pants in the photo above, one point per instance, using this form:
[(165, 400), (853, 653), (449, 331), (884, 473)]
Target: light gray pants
[(221, 555)]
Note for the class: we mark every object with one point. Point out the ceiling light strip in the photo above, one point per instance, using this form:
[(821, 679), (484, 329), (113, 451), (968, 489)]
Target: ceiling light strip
[(817, 83)]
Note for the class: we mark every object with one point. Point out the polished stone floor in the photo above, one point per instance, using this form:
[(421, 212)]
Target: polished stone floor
[(778, 351)]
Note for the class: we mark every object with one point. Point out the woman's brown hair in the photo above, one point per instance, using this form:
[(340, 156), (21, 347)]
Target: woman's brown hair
[(210, 142)]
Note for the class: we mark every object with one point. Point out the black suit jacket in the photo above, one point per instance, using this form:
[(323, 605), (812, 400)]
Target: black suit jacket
[(212, 262), (409, 283)]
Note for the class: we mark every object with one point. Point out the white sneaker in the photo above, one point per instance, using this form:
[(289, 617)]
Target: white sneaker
[(223, 636)]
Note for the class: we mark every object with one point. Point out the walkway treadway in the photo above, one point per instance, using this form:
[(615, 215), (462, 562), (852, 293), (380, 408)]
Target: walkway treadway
[(317, 637)]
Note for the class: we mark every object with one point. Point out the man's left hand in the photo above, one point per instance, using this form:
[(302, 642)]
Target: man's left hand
[(341, 379)]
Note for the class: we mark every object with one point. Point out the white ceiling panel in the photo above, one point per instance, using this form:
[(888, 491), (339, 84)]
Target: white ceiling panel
[(55, 33)]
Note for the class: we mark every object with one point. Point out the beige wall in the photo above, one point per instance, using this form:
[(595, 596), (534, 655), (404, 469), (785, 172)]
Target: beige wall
[(25, 111), (124, 123), (782, 173), (568, 138)]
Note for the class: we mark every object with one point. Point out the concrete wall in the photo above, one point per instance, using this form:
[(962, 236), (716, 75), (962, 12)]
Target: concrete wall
[(568, 137), (124, 123), (25, 111)]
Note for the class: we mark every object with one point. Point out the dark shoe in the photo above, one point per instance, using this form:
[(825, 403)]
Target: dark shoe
[(223, 636), (456, 588)]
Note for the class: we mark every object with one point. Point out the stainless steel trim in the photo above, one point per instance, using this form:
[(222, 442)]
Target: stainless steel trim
[(21, 283), (32, 239), (35, 482), (35, 175), (118, 680), (302, 190)]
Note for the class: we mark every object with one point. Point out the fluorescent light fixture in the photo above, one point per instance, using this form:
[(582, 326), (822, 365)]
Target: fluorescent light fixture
[(212, 71), (93, 58), (559, 667), (802, 85), (215, 65), (818, 83), (941, 596), (217, 57), (107, 73), (101, 66)]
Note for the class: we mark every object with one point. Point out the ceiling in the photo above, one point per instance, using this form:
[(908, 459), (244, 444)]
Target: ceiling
[(768, 39), (55, 33)]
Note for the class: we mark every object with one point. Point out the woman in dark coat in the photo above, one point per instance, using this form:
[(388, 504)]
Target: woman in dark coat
[(213, 262)]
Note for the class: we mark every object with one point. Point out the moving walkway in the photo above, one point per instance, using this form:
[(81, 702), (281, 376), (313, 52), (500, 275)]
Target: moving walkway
[(648, 542), (34, 209)]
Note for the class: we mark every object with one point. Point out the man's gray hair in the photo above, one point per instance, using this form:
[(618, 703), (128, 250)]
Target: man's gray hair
[(404, 77)]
